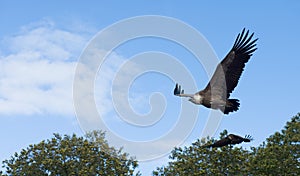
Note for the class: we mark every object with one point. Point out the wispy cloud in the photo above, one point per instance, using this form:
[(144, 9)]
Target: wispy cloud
[(112, 80), (37, 68)]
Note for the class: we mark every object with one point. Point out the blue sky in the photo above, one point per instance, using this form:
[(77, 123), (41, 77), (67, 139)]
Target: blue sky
[(41, 42)]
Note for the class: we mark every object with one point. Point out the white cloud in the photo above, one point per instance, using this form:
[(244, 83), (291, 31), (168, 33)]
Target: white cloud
[(37, 70), (114, 74), (38, 66)]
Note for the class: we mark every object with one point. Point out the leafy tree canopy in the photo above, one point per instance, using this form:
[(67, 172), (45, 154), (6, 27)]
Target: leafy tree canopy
[(91, 155), (279, 155), (71, 155)]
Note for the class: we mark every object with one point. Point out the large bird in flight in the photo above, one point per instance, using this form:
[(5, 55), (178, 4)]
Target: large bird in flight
[(225, 78), (231, 139)]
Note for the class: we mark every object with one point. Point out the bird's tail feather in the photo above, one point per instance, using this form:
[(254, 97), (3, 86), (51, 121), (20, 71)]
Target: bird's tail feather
[(231, 105)]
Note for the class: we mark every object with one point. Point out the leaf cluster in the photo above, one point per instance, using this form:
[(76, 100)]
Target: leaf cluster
[(279, 155), (71, 155)]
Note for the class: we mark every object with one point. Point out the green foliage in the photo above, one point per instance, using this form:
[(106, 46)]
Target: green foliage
[(71, 155), (91, 155), (280, 155)]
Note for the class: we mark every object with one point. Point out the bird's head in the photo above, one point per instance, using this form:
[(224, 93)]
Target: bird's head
[(196, 98), (192, 99)]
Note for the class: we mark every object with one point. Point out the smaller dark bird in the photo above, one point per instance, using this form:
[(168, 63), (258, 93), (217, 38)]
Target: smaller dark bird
[(231, 139)]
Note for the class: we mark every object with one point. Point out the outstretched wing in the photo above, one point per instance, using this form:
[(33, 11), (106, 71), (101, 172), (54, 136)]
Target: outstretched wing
[(235, 139), (232, 65), (220, 143)]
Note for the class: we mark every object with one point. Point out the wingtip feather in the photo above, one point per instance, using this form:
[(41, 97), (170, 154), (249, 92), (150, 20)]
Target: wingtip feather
[(244, 43)]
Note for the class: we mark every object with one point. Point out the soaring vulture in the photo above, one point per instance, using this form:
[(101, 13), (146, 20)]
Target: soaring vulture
[(225, 78), (231, 139)]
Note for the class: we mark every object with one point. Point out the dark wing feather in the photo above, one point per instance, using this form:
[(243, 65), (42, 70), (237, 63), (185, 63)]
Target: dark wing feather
[(220, 143), (232, 65), (235, 139), (176, 89), (248, 138)]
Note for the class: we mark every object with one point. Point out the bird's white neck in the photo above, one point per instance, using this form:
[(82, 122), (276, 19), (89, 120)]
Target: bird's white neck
[(196, 98)]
